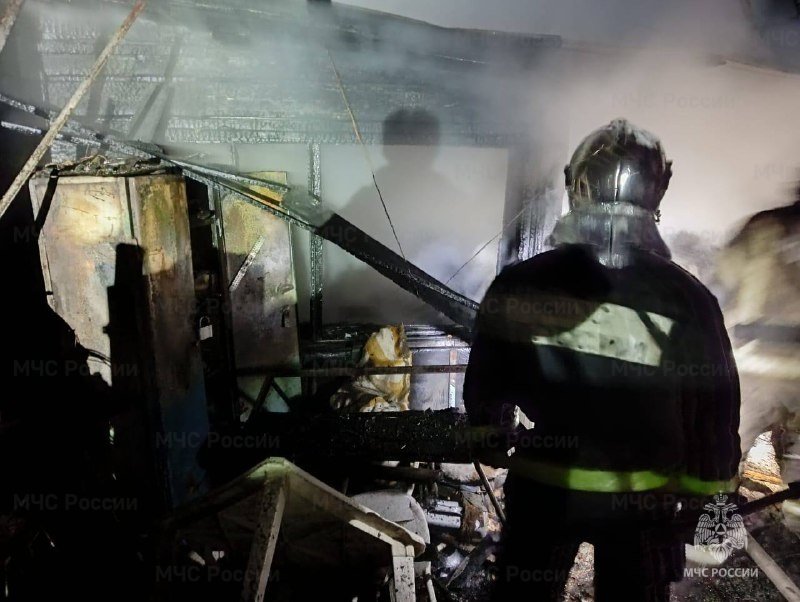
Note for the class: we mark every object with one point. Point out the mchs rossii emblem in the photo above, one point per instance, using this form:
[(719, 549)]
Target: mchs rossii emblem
[(721, 529)]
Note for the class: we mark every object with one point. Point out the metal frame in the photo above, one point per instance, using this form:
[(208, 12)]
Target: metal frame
[(317, 257), (279, 487)]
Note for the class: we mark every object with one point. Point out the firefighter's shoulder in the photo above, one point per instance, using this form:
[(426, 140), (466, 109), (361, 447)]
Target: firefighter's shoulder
[(543, 287), (555, 266), (682, 289)]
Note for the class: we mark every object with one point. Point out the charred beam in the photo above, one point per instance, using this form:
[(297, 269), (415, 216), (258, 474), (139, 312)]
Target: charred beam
[(316, 250), (61, 120), (305, 210)]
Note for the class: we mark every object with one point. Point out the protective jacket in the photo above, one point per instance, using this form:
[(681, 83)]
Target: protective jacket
[(625, 370)]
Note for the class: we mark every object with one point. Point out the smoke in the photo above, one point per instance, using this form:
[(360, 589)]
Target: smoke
[(730, 129), (704, 77), (718, 26)]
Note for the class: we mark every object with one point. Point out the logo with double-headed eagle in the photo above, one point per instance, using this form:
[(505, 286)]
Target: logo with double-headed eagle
[(720, 530)]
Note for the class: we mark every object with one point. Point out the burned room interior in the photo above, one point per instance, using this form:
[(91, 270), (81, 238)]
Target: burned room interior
[(301, 302)]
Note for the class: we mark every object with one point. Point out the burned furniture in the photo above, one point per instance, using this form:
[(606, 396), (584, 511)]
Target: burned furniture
[(116, 258), (287, 530)]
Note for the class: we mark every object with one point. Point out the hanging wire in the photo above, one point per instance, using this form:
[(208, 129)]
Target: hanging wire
[(486, 244), (366, 153)]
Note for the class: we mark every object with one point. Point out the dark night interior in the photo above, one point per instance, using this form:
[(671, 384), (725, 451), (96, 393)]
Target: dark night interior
[(301, 301)]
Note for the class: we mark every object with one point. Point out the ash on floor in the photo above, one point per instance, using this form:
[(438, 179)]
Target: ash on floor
[(706, 589)]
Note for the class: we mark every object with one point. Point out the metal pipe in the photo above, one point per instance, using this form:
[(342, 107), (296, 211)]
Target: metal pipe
[(316, 250), (80, 133), (689, 522), (60, 121), (245, 181), (792, 491), (287, 371), (76, 138)]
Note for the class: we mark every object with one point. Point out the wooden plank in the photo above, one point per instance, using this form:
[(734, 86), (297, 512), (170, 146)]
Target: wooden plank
[(60, 121), (330, 501), (265, 538), (756, 475)]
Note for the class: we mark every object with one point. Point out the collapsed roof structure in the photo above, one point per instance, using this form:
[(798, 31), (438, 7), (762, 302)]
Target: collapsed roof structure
[(192, 88)]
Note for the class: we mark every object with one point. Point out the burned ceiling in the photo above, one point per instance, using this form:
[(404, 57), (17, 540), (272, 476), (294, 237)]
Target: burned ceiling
[(245, 72)]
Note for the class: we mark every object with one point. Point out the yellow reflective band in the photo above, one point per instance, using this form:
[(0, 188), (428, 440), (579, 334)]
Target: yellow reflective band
[(690, 484), (585, 479)]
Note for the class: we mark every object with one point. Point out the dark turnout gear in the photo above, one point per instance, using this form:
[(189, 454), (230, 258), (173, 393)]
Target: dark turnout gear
[(626, 373), (634, 558), (628, 377), (621, 360)]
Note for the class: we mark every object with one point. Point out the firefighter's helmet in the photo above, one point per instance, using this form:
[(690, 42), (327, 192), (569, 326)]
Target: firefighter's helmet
[(618, 163)]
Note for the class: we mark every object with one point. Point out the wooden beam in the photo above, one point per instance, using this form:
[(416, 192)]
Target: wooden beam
[(402, 589), (60, 121)]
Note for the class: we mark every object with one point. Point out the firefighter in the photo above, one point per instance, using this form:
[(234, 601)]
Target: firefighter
[(621, 361), (759, 270)]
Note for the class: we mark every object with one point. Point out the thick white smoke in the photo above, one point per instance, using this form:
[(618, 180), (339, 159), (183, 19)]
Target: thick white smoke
[(698, 75), (730, 129)]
